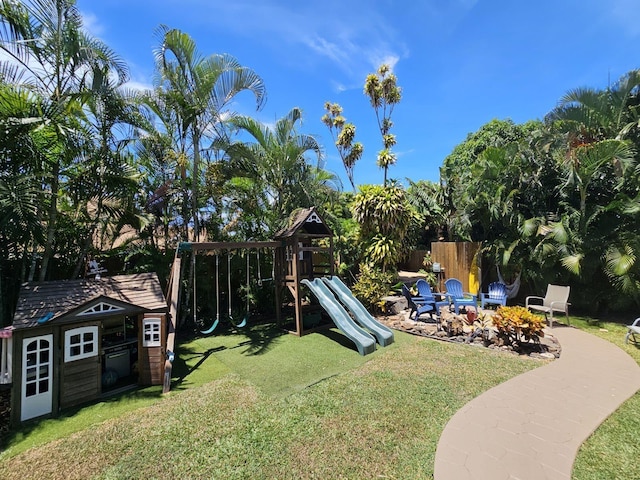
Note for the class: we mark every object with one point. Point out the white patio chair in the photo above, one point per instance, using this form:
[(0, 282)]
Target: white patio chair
[(634, 329), (555, 300)]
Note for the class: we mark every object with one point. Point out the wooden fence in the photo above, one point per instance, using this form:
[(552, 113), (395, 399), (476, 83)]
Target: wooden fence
[(458, 260)]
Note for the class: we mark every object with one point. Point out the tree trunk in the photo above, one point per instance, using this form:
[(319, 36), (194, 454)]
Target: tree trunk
[(53, 217), (185, 300), (194, 182)]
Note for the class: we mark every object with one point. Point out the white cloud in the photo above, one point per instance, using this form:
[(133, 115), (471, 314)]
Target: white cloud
[(351, 35), (339, 87), (92, 25), (390, 60)]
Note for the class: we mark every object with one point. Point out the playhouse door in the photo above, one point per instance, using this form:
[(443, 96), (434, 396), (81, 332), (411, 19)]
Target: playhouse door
[(37, 375)]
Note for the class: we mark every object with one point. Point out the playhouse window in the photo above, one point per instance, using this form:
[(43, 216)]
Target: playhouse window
[(101, 307), (151, 332), (80, 343)]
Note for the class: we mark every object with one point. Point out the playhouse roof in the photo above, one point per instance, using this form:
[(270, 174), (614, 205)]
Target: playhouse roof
[(55, 299), (306, 220)]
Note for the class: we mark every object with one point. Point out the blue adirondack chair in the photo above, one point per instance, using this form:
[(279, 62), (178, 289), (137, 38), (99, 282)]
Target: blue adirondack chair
[(497, 295), (458, 297), (425, 293), (415, 304)]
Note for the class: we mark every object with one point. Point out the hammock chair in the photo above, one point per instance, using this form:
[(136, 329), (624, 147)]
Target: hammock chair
[(513, 288)]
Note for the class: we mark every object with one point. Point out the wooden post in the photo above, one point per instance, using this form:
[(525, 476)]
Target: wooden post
[(173, 314), (277, 278), (296, 285)]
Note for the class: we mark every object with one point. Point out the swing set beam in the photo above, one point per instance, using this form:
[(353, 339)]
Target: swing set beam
[(208, 246)]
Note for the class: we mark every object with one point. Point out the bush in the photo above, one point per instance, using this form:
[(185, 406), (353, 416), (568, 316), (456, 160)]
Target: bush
[(371, 286), (517, 325)]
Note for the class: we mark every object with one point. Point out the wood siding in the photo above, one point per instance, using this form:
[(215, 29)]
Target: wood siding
[(456, 258), (151, 365), (80, 381)]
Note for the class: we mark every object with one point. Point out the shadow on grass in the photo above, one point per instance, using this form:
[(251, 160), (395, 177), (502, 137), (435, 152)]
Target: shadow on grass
[(340, 338), (260, 338), (255, 339), (181, 369)]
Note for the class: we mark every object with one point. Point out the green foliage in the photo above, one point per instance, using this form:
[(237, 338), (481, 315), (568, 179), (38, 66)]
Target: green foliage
[(196, 91), (429, 275), (372, 285), (276, 172), (426, 198), (48, 118), (384, 217)]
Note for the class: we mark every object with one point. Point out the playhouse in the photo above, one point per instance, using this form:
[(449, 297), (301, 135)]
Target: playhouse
[(73, 341)]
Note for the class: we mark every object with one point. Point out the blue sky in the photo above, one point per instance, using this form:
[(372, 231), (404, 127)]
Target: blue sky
[(460, 63)]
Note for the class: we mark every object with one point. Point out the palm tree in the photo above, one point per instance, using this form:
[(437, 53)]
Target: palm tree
[(102, 185), (276, 165), (591, 115), (384, 94), (343, 135), (199, 90), (594, 125), (55, 58)]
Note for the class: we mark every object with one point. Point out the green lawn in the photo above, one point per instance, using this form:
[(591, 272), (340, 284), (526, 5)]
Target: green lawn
[(262, 404)]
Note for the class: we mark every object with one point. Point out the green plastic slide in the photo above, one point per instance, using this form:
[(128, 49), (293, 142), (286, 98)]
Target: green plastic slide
[(383, 334), (364, 341)]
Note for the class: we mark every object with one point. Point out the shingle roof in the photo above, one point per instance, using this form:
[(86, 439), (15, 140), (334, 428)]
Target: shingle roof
[(299, 220), (39, 299)]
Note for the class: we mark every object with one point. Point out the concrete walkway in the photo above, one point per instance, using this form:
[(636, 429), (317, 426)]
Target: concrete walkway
[(531, 427)]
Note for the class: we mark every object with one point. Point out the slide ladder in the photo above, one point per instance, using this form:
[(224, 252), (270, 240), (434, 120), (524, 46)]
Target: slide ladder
[(364, 341)]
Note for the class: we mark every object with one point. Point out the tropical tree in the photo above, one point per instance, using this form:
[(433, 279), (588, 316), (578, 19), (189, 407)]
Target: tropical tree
[(588, 115), (199, 91), (104, 182), (271, 173), (343, 135), (20, 192), (52, 56), (384, 216), (384, 94), (157, 163), (426, 198)]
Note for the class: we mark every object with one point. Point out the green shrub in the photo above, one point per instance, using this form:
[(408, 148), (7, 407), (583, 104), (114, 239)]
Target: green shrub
[(371, 286)]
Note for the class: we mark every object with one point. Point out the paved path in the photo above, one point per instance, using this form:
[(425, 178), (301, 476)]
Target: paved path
[(531, 427)]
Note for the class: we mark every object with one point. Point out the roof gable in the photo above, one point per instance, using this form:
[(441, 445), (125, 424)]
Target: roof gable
[(98, 308), (305, 220), (49, 301)]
